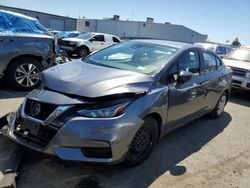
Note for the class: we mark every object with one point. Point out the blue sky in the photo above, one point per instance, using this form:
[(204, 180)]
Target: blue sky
[(221, 19)]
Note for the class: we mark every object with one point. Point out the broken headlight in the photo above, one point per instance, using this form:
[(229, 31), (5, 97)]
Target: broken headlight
[(105, 112)]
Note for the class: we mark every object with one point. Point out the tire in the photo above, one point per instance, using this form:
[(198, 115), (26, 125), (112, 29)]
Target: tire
[(219, 108), (23, 74), (82, 52), (143, 143)]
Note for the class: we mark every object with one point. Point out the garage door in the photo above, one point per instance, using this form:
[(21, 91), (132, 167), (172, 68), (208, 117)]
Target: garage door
[(57, 24)]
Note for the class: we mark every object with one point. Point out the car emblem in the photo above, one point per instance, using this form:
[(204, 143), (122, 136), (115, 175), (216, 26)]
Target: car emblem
[(35, 109)]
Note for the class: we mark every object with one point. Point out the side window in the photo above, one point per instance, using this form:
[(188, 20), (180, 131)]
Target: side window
[(210, 61), (189, 61), (116, 40), (98, 38)]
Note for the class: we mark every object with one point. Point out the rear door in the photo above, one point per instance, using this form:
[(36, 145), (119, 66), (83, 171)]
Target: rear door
[(186, 100), (215, 78)]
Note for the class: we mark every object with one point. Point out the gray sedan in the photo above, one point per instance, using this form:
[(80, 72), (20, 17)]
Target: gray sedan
[(117, 103)]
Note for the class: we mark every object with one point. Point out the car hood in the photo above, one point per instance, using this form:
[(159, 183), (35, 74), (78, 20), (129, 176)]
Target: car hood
[(88, 80), (74, 39), (237, 64)]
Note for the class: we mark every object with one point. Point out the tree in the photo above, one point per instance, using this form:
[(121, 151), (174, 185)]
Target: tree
[(236, 42)]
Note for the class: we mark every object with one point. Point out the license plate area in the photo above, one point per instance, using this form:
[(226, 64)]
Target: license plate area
[(30, 127)]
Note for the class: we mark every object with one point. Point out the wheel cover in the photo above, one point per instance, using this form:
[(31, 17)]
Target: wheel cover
[(141, 142), (221, 104), (27, 75), (83, 53)]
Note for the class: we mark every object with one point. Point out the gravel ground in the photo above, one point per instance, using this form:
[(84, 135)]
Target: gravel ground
[(205, 153)]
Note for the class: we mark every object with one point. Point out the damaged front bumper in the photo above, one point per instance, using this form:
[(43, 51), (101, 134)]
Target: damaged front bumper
[(70, 136)]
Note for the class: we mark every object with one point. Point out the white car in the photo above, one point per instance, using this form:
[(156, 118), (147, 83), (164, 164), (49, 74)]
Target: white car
[(239, 61), (87, 43), (219, 49)]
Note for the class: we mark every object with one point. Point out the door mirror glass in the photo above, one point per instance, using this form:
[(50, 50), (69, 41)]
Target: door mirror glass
[(185, 76)]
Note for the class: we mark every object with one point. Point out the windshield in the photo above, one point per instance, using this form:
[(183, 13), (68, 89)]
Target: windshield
[(134, 56), (240, 54), (85, 36)]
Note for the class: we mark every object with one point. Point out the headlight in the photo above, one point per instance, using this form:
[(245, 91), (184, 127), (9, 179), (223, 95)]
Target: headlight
[(107, 112), (248, 74)]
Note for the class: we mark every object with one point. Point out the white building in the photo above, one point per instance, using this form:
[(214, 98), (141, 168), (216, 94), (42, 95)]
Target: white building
[(140, 30)]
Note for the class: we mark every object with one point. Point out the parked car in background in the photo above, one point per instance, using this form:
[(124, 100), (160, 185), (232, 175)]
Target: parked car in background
[(115, 104), (219, 49), (67, 34), (239, 61), (87, 43), (26, 49)]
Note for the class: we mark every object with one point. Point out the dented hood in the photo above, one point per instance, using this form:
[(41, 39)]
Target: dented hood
[(88, 80)]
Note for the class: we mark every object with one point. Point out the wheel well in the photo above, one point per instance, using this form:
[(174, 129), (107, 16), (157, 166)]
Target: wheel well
[(86, 47), (158, 119), (38, 58), (227, 92)]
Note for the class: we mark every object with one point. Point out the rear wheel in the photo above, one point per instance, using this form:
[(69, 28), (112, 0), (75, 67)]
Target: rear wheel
[(142, 143), (24, 73), (219, 108)]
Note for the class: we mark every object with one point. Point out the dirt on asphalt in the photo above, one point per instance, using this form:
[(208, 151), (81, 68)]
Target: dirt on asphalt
[(204, 153)]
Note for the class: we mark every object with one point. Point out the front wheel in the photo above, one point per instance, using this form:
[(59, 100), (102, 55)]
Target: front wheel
[(82, 52), (219, 108), (142, 143)]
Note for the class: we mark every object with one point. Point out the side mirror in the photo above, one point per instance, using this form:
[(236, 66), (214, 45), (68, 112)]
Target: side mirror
[(91, 40), (185, 76)]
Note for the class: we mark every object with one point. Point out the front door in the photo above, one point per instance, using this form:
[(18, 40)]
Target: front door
[(186, 100), (98, 42)]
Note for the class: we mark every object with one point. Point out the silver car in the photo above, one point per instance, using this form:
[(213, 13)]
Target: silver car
[(117, 103), (239, 61)]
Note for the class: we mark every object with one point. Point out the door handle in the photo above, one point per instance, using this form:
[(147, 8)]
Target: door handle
[(201, 83)]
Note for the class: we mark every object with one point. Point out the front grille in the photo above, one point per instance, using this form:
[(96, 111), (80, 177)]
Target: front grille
[(40, 139), (237, 82), (94, 152), (66, 43), (239, 72), (44, 111)]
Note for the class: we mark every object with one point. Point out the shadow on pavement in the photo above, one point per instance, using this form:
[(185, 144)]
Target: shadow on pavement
[(40, 171), (7, 93), (240, 97)]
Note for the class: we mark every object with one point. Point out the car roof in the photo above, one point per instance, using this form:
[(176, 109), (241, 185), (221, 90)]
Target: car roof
[(165, 43), (95, 33)]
